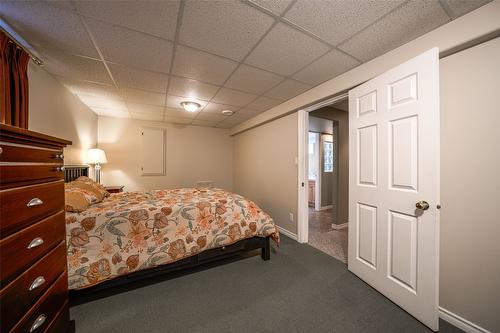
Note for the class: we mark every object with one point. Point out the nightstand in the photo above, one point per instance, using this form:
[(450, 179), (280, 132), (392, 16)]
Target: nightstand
[(114, 189)]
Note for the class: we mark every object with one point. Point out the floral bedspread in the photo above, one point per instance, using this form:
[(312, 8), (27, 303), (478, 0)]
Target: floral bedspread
[(132, 231)]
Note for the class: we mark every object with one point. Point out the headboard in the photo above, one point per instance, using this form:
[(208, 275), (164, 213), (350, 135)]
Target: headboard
[(72, 172)]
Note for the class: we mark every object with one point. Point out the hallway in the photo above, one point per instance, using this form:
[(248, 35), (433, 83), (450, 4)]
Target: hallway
[(324, 238)]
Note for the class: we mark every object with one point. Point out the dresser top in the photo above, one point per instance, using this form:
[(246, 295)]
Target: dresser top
[(24, 136)]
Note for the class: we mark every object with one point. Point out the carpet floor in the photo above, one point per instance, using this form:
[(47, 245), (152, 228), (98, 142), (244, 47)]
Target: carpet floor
[(300, 289), (323, 237)]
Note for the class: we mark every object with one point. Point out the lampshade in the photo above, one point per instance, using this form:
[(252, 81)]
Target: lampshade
[(96, 155)]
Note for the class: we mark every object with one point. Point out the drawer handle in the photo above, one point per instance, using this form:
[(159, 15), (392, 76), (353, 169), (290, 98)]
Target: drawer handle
[(37, 283), (58, 156), (38, 322), (35, 242), (59, 169), (34, 202)]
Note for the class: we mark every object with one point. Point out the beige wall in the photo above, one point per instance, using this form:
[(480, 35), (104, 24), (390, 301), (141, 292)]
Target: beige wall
[(55, 111), (470, 184), (265, 170), (193, 153)]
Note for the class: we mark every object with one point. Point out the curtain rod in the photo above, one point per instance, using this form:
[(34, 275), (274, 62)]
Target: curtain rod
[(33, 57)]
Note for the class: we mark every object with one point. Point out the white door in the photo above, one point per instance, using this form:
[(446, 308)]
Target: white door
[(394, 168)]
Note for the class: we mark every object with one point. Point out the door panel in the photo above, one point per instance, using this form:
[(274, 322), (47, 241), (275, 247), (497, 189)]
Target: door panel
[(393, 159)]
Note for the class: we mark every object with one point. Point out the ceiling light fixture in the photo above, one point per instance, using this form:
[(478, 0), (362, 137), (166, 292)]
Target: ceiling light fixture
[(227, 112), (191, 106)]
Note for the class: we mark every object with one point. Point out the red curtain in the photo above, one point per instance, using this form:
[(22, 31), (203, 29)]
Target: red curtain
[(13, 83)]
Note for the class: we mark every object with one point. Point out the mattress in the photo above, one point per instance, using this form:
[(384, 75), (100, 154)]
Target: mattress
[(132, 231)]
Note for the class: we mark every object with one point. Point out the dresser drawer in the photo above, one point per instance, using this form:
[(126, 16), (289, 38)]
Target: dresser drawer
[(45, 310), (18, 297), (15, 256), (62, 323), (25, 205), (18, 153), (19, 175)]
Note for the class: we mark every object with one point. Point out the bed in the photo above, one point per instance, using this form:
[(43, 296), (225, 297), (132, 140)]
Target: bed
[(135, 234)]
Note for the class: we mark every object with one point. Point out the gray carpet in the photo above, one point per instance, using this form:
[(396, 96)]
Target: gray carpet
[(300, 289)]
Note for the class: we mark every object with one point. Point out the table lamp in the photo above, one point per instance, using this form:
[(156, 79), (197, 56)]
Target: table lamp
[(97, 157)]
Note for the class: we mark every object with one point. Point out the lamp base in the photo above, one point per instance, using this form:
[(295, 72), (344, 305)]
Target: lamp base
[(97, 170)]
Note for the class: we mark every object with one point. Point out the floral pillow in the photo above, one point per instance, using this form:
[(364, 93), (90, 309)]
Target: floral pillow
[(97, 186), (77, 200)]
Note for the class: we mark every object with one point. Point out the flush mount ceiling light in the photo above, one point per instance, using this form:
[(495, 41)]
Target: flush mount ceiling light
[(227, 112), (191, 106)]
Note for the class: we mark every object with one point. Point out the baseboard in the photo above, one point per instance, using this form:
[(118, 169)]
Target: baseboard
[(326, 207), (339, 226), (460, 322), (287, 233)]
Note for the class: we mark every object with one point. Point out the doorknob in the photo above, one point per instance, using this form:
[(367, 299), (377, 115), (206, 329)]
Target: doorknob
[(423, 205)]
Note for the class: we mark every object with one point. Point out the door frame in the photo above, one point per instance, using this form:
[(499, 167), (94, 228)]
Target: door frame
[(302, 164)]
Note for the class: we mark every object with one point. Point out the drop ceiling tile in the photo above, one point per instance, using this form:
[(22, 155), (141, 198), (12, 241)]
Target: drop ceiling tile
[(127, 47), (158, 18), (288, 89), (412, 20), (327, 67), (461, 7), (210, 116), (335, 21), (233, 97), (263, 103), (217, 108), (127, 77), (75, 67), (234, 28), (88, 88), (202, 66), (191, 88), (180, 121), (234, 120), (143, 97), (105, 102), (275, 6), (252, 80), (224, 126), (248, 112), (111, 112), (177, 113), (198, 122), (175, 101), (145, 108), (285, 50), (44, 26), (147, 116)]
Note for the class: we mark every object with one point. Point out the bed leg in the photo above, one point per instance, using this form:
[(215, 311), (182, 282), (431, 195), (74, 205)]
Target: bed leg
[(266, 250)]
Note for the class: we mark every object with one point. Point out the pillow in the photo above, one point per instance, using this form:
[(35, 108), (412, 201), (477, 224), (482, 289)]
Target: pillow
[(96, 194), (76, 200), (98, 186)]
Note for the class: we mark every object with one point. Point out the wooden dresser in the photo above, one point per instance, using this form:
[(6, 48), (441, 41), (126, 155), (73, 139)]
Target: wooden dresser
[(33, 271)]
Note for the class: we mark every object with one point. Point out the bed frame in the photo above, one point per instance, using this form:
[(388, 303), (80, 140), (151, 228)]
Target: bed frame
[(188, 265)]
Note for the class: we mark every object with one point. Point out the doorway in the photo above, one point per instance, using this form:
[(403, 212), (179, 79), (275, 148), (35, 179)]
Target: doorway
[(328, 165)]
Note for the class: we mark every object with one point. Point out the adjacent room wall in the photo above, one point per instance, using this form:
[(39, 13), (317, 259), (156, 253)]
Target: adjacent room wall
[(470, 184), (342, 119), (265, 168), (328, 179), (55, 111), (193, 154)]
